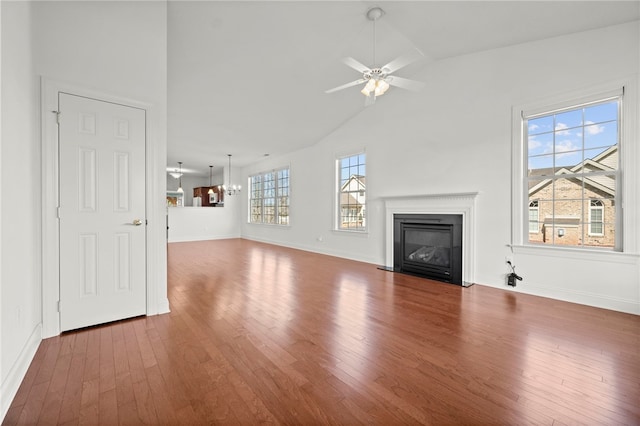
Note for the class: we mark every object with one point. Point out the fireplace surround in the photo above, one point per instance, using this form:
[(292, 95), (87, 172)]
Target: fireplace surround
[(463, 204)]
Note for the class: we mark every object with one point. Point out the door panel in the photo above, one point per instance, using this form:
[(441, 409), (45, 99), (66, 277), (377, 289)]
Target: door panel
[(102, 212)]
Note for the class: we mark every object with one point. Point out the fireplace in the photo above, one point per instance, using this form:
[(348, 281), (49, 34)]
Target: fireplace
[(428, 245), (462, 204)]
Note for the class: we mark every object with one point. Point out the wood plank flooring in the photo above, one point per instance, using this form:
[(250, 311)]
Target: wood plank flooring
[(265, 334)]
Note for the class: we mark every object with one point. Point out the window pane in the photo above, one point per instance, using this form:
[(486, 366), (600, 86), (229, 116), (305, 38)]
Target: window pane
[(545, 210), (539, 189), (568, 119), (540, 125), (601, 112), (256, 211), (540, 144), (567, 159), (541, 165), (601, 135)]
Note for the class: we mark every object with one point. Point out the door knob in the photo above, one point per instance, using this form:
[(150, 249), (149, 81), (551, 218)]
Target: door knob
[(137, 222)]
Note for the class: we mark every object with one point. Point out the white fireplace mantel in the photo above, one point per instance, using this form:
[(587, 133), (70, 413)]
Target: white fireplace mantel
[(461, 203)]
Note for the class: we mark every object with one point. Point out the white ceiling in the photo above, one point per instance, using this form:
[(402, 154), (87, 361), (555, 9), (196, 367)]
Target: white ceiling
[(248, 78)]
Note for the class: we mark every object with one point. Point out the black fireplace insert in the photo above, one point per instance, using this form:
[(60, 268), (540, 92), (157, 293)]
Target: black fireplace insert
[(428, 245)]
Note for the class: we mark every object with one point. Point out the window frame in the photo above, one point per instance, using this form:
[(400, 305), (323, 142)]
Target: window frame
[(361, 193), (272, 192), (627, 228)]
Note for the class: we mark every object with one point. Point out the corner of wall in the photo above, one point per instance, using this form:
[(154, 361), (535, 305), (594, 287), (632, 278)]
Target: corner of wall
[(9, 388)]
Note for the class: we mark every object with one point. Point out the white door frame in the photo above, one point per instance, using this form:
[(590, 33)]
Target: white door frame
[(157, 301)]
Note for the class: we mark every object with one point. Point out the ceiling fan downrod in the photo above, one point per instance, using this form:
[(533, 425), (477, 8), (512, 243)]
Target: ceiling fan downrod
[(374, 14)]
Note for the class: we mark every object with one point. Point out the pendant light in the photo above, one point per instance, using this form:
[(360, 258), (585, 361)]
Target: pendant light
[(180, 181), (210, 192), (232, 189)]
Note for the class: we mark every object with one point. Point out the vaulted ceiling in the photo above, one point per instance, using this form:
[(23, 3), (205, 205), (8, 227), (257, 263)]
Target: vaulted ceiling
[(248, 78)]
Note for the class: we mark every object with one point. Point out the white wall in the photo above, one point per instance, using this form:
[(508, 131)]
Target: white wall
[(113, 48), (455, 136), (117, 49), (21, 281), (204, 223)]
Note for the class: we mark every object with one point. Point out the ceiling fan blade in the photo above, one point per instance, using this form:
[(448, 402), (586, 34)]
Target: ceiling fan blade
[(402, 62), (344, 86), (404, 83), (356, 65)]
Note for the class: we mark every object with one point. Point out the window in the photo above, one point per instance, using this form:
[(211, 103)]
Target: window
[(352, 206), (533, 217), (596, 218), (572, 174), (269, 197)]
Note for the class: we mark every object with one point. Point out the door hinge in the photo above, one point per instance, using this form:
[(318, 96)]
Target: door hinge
[(58, 212), (57, 113), (58, 306)]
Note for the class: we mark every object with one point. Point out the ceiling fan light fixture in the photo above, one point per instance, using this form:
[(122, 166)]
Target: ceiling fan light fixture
[(375, 87), (369, 87), (381, 87)]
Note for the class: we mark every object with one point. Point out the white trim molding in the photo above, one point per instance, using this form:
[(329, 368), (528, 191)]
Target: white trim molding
[(157, 302), (9, 387), (462, 203)]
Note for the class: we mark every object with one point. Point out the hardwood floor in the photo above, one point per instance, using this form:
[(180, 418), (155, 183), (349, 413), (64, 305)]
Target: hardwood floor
[(261, 333)]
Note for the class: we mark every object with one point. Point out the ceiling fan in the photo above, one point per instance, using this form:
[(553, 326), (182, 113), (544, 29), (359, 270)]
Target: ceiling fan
[(378, 79)]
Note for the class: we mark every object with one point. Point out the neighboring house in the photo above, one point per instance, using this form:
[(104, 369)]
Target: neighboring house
[(564, 226), (353, 202)]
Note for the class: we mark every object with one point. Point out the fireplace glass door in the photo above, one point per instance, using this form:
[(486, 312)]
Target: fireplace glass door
[(428, 245)]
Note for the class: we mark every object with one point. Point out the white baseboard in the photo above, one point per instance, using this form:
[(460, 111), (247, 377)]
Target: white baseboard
[(163, 307), (182, 239), (573, 296), (10, 386), (334, 253)]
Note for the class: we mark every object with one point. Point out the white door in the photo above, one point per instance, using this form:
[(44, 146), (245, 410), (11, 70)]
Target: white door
[(102, 212)]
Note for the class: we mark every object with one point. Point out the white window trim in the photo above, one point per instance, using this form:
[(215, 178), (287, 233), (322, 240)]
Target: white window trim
[(336, 200), (628, 199)]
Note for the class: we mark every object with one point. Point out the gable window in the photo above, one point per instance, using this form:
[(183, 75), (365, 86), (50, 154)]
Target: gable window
[(352, 205), (572, 174), (269, 197)]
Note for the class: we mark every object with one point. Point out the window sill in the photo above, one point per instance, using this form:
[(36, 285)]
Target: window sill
[(270, 225), (362, 234), (596, 255)]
